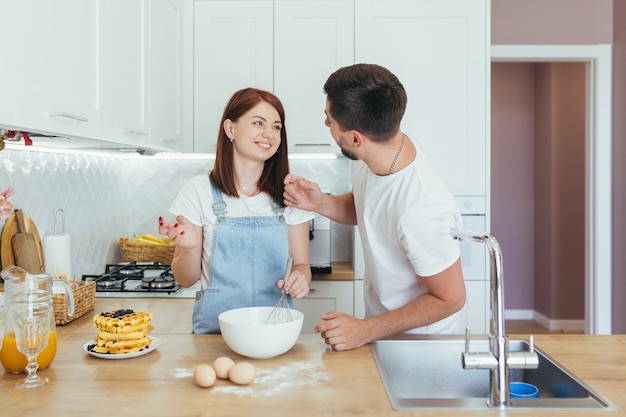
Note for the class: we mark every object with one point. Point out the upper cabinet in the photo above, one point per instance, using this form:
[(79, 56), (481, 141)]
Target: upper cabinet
[(105, 70), (439, 51), (57, 50), (11, 62), (284, 46), (312, 39), (158, 73), (123, 52), (232, 49), (165, 76)]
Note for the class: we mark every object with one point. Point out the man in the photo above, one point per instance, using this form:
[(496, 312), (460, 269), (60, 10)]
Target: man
[(403, 208)]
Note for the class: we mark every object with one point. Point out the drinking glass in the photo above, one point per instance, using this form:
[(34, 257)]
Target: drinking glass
[(3, 316), (31, 319)]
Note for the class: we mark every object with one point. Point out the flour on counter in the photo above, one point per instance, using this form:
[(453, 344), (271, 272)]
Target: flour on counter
[(183, 373), (272, 381)]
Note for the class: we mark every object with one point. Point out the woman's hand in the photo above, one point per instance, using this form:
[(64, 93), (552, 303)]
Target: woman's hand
[(297, 284), (184, 233)]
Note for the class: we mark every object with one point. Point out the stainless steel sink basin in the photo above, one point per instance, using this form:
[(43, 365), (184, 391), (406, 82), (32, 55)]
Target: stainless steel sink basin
[(425, 372)]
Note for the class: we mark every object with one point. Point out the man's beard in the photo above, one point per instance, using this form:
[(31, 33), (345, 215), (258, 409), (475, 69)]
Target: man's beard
[(347, 154)]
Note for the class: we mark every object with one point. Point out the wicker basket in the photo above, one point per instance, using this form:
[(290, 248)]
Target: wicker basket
[(84, 301), (133, 250)]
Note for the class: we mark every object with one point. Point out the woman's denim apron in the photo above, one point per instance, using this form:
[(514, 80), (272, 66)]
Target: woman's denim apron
[(248, 258)]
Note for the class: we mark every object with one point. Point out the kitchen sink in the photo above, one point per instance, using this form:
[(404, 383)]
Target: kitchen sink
[(426, 373)]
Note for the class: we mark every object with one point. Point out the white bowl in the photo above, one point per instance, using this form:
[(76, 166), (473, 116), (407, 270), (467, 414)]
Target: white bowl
[(245, 332)]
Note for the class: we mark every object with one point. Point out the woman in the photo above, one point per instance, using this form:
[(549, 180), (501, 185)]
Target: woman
[(232, 229)]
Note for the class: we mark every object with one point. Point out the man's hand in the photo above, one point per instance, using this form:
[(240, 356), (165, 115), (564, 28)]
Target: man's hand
[(343, 332), (301, 193)]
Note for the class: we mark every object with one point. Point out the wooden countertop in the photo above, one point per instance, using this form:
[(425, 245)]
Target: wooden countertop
[(341, 271), (309, 380)]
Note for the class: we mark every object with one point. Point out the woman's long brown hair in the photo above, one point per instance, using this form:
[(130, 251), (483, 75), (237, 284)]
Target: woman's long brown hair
[(271, 181)]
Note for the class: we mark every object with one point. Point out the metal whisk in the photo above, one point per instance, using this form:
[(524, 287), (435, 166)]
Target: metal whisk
[(281, 313)]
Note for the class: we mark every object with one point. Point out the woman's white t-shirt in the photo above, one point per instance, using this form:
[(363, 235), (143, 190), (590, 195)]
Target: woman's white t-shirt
[(195, 201)]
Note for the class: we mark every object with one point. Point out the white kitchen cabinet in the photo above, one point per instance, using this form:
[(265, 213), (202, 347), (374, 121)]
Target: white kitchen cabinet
[(474, 255), (287, 47), (359, 301), (325, 296), (57, 90), (437, 48), (165, 79), (141, 79), (11, 63), (123, 75), (476, 312), (312, 39), (439, 51), (232, 49), (474, 262), (104, 70)]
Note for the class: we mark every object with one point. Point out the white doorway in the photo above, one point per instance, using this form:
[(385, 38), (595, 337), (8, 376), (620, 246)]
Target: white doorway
[(597, 167)]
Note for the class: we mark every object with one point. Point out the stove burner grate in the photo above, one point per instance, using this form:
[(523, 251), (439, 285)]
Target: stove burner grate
[(153, 277), (159, 282), (106, 282)]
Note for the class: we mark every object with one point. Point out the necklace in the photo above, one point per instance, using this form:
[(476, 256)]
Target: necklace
[(392, 169), (244, 190)]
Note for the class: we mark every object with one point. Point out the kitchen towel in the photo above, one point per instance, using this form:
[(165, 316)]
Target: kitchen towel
[(57, 256)]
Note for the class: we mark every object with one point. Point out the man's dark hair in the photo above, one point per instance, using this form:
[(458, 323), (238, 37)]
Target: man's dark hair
[(368, 98)]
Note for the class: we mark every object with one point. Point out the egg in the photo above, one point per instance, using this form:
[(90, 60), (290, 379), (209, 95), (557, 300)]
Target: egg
[(204, 375), (222, 365), (242, 373)]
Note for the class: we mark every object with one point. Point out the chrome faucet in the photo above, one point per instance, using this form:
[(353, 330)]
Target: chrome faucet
[(499, 360)]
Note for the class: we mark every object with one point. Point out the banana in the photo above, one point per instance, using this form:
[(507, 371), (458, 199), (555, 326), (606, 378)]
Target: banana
[(150, 239), (142, 240), (154, 239)]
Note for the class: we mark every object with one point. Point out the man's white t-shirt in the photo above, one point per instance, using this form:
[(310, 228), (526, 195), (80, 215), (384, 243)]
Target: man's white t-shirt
[(195, 201), (404, 221)]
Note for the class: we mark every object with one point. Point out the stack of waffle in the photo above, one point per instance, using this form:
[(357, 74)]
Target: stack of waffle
[(122, 331)]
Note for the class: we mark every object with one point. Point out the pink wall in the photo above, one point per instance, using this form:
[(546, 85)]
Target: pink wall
[(543, 229), (582, 22), (560, 191), (512, 176), (568, 215), (552, 21), (538, 184), (619, 167)]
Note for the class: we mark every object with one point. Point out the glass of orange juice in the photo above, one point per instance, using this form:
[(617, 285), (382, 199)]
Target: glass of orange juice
[(14, 361), (2, 323), (31, 319)]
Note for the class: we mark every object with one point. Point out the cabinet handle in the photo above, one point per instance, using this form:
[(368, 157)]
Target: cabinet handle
[(311, 144), (311, 290), (133, 132), (168, 140), (69, 116)]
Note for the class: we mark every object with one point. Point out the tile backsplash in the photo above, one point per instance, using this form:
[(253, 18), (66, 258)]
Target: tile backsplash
[(106, 196)]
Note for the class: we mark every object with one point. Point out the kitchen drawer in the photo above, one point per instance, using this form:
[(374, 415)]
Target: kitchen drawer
[(325, 296)]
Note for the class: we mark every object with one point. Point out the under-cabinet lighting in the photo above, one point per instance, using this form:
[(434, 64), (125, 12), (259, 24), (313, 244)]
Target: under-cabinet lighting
[(307, 156), (135, 153)]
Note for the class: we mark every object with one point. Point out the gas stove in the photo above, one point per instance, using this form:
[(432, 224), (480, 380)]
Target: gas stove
[(138, 279)]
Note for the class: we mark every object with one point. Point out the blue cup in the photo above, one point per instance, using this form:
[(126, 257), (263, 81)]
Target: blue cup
[(523, 390)]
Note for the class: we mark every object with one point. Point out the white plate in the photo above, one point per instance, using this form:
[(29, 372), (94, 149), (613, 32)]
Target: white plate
[(155, 344)]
